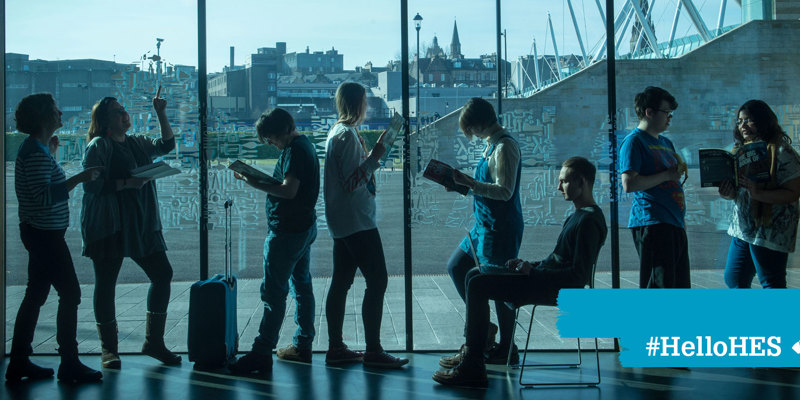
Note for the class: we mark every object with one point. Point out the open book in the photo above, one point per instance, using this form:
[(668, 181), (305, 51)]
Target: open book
[(253, 173), (442, 174), (395, 126), (750, 161), (154, 171)]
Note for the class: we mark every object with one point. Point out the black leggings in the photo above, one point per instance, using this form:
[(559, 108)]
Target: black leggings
[(49, 263), (362, 250), (156, 266)]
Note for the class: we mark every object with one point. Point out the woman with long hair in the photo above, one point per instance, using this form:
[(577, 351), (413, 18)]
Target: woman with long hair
[(764, 222), (120, 218), (42, 191), (349, 190)]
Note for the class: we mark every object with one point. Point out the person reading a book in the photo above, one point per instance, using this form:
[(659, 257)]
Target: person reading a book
[(42, 190), (349, 189), (291, 218), (120, 218), (651, 170), (568, 266), (497, 233), (763, 225)]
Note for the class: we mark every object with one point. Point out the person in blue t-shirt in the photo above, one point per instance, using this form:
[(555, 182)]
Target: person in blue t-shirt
[(291, 217), (651, 170)]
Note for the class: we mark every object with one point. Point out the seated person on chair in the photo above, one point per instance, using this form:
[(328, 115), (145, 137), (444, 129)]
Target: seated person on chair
[(568, 266)]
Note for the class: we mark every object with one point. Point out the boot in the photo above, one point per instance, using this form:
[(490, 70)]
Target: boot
[(22, 367), (470, 372), (109, 351), (72, 370), (154, 340)]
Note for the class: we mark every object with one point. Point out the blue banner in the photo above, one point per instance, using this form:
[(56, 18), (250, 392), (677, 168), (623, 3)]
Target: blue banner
[(688, 327)]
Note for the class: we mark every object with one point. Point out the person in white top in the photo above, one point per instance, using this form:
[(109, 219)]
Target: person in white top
[(349, 190)]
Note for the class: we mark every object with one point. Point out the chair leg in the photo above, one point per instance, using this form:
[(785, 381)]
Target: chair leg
[(524, 363), (513, 332)]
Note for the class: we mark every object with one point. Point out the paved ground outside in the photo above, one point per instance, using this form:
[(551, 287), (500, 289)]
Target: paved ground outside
[(438, 314)]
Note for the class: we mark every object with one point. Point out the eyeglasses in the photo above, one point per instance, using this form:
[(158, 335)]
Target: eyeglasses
[(668, 112), (746, 121)]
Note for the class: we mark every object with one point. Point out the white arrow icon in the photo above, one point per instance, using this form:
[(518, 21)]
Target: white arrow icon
[(796, 347)]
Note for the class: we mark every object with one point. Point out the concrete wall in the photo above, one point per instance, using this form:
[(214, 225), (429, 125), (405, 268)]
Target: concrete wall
[(756, 60)]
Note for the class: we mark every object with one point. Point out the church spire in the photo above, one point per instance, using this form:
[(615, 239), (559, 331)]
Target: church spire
[(455, 44)]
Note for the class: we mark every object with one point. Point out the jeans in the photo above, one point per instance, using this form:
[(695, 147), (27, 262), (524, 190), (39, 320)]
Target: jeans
[(156, 266), (745, 260), (462, 269), (363, 251), (286, 265), (663, 256), (520, 289), (49, 263)]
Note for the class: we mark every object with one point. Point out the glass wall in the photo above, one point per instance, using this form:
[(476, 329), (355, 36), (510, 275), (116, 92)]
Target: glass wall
[(271, 63), (554, 102), (127, 56)]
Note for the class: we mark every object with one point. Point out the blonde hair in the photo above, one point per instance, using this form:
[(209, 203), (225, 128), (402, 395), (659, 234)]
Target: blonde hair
[(351, 101)]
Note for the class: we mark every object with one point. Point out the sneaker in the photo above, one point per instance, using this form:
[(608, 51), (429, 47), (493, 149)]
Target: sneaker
[(499, 356), (451, 361), (343, 355), (251, 363), (293, 353), (470, 375), (382, 359), (19, 368)]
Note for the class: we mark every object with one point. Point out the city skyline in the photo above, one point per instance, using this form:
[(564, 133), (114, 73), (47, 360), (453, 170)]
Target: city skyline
[(97, 30)]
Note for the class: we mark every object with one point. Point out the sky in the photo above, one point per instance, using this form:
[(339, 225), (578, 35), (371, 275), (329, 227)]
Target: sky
[(362, 30)]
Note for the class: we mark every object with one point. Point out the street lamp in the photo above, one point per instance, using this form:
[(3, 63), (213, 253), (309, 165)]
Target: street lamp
[(417, 25)]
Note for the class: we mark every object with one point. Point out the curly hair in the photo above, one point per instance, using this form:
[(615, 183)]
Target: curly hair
[(33, 112), (765, 120)]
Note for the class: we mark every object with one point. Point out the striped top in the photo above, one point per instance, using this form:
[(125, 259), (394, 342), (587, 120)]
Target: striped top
[(41, 187)]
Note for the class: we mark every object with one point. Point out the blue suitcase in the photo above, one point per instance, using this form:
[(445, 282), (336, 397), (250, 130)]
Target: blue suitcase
[(213, 336)]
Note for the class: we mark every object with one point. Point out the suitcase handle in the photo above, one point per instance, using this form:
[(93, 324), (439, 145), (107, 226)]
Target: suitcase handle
[(228, 242)]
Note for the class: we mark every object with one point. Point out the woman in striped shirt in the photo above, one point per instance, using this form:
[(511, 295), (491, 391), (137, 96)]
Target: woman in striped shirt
[(42, 191)]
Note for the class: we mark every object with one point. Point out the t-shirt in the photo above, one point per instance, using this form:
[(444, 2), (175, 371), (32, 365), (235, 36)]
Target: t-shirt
[(663, 203), (570, 264), (298, 159), (780, 234)]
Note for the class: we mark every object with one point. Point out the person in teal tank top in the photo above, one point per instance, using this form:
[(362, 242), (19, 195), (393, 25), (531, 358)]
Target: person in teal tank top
[(497, 233)]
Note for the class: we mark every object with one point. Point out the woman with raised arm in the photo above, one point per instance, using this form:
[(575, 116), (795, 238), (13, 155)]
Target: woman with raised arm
[(42, 191), (349, 190), (497, 233), (764, 223), (120, 218)]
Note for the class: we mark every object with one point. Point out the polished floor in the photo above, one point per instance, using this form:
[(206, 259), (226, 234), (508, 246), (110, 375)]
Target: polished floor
[(144, 378), (438, 314)]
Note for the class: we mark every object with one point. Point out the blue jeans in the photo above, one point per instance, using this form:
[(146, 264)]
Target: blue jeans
[(286, 255), (745, 260)]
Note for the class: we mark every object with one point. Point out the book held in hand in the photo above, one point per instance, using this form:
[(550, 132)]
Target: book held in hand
[(252, 173), (154, 171), (750, 160), (395, 126), (442, 174)]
